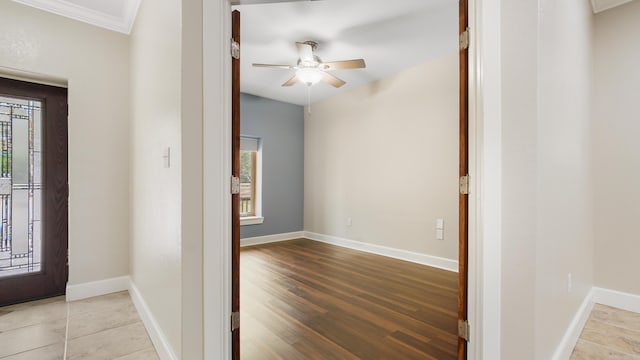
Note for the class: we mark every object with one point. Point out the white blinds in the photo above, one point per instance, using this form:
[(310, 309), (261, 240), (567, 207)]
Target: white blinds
[(248, 144)]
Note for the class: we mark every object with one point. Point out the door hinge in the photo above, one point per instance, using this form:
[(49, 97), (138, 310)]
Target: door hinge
[(464, 185), (464, 40), (235, 321), (463, 329), (235, 185), (235, 49)]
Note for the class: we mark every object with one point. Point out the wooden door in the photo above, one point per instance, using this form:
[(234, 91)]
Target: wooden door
[(463, 252), (33, 191), (235, 172)]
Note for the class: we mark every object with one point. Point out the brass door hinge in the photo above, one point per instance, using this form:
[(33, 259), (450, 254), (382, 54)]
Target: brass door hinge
[(235, 49), (235, 321), (464, 185), (463, 329), (235, 185), (464, 40)]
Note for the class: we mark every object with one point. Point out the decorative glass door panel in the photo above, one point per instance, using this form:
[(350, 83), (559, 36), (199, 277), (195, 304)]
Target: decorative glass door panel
[(34, 191), (20, 186)]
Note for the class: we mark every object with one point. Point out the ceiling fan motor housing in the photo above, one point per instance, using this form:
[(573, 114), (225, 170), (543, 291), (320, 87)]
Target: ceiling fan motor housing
[(313, 44), (309, 63)]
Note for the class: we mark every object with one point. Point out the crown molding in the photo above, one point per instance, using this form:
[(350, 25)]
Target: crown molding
[(602, 5), (90, 16)]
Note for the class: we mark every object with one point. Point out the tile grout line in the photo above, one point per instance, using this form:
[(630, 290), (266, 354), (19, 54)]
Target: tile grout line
[(66, 332)]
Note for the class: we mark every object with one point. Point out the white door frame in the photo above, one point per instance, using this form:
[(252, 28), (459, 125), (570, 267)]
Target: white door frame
[(484, 169)]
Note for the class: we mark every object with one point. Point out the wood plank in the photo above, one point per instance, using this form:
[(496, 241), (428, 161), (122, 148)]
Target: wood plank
[(305, 299)]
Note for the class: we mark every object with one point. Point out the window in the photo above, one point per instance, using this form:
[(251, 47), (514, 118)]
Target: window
[(250, 209)]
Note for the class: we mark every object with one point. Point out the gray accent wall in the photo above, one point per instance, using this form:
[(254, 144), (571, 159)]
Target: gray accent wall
[(280, 126)]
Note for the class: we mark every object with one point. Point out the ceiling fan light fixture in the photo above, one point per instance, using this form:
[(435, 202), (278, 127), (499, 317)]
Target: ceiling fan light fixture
[(309, 76)]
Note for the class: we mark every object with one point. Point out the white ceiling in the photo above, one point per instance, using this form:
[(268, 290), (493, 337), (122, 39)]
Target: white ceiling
[(116, 15), (389, 35)]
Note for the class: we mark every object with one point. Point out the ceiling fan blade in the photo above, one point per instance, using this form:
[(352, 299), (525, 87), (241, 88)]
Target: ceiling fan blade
[(342, 65), (273, 66), (332, 80), (291, 82), (305, 51)]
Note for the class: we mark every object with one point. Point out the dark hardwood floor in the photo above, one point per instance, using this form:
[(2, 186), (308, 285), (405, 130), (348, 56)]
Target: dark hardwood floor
[(303, 299)]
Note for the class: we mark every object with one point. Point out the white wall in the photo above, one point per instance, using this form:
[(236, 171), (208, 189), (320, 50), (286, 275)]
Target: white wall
[(386, 155), (616, 155), (519, 139), (565, 240), (547, 206), (193, 185), (95, 62), (156, 190)]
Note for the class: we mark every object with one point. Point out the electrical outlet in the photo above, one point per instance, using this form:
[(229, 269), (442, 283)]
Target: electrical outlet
[(349, 222), (569, 282)]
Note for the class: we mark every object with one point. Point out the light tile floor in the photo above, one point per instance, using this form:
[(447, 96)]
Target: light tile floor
[(103, 327), (610, 333)]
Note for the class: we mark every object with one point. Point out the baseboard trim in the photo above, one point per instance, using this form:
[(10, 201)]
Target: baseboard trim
[(571, 336), (97, 288), (159, 340), (618, 299), (258, 240), (414, 257)]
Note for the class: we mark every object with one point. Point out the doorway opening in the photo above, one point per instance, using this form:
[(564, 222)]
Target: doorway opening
[(461, 199)]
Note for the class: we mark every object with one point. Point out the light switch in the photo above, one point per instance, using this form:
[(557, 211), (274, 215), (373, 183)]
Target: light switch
[(167, 157)]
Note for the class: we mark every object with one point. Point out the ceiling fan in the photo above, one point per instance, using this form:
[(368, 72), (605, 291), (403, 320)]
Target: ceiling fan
[(310, 69)]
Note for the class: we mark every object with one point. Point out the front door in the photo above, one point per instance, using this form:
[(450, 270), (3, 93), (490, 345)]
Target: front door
[(33, 191)]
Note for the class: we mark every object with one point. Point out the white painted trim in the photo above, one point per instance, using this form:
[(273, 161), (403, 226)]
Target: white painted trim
[(76, 12), (17, 74), (571, 336), (159, 340), (485, 261), (618, 299), (130, 15), (216, 173), (271, 238), (97, 288), (473, 297), (600, 6), (414, 257), (251, 220)]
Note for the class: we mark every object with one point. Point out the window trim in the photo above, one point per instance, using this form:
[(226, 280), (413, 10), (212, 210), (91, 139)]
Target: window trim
[(251, 220), (257, 217)]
